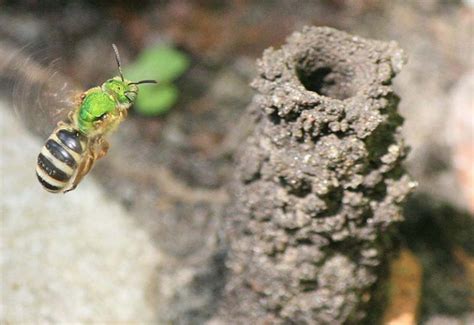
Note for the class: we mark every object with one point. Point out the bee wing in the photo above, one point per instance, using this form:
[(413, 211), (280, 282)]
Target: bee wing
[(42, 103), (41, 95)]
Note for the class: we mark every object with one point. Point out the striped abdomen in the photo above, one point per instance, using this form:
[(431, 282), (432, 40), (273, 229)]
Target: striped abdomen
[(60, 158)]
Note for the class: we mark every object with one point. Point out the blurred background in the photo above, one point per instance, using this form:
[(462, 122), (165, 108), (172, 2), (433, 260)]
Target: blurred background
[(138, 240)]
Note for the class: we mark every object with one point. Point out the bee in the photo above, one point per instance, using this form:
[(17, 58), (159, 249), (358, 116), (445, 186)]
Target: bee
[(78, 142)]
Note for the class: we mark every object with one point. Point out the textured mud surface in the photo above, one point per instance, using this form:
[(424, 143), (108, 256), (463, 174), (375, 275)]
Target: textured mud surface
[(320, 185)]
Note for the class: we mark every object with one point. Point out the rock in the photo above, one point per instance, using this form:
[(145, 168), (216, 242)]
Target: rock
[(77, 257)]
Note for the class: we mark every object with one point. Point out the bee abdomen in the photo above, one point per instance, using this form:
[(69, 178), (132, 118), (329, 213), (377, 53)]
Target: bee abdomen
[(59, 159), (60, 153), (71, 139)]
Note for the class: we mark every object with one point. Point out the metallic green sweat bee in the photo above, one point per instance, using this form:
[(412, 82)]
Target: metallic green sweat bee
[(74, 146)]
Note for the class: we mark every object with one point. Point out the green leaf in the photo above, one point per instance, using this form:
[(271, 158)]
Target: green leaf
[(156, 100), (161, 62)]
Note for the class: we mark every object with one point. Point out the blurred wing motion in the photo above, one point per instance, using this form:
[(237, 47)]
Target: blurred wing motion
[(41, 95)]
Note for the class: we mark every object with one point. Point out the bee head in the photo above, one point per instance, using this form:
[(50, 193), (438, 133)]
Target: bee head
[(120, 90), (123, 90)]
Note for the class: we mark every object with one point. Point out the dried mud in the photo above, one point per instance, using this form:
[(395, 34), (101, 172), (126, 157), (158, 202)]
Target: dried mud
[(320, 183)]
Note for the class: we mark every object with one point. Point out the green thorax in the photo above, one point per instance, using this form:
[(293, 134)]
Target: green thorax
[(95, 104), (109, 101)]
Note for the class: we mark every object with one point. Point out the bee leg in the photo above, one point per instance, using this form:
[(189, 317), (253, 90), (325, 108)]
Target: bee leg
[(71, 189), (83, 169), (62, 124), (102, 148), (70, 116), (69, 119), (96, 151), (102, 122)]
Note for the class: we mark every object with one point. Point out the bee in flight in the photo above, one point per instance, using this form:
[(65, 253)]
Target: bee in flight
[(72, 149)]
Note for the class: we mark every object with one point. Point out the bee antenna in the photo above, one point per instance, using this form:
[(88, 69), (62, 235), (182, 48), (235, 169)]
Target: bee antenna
[(144, 82), (117, 58)]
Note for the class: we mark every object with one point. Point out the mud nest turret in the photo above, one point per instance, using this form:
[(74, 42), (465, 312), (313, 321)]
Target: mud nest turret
[(320, 183)]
